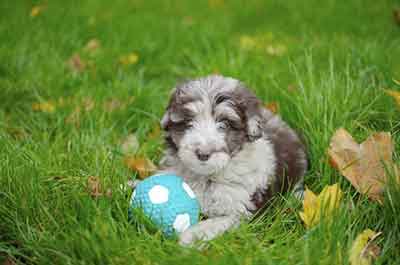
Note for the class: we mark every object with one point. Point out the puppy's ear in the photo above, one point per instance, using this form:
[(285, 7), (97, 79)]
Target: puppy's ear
[(251, 107), (172, 115)]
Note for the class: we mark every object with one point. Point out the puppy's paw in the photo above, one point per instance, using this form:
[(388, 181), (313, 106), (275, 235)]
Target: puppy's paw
[(187, 238)]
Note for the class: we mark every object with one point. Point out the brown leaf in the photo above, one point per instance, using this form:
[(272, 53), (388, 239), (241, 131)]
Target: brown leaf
[(155, 132), (363, 250), (92, 46), (9, 261), (292, 88), (365, 164), (112, 105), (272, 106), (142, 165), (88, 104), (95, 189), (74, 117), (396, 16), (76, 64), (130, 145)]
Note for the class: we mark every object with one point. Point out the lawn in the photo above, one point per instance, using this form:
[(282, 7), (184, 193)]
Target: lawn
[(65, 107)]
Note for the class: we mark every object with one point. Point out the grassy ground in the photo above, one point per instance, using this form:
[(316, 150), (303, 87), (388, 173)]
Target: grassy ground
[(325, 63)]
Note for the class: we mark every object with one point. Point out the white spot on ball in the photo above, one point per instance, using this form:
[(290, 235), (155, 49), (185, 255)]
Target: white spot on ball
[(188, 190), (158, 194), (182, 222)]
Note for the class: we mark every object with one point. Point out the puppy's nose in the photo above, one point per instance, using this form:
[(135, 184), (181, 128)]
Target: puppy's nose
[(202, 155)]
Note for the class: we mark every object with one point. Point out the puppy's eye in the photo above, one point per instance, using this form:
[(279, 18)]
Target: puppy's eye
[(183, 125), (223, 125)]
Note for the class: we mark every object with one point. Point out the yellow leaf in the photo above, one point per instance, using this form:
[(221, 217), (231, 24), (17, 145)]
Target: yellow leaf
[(129, 59), (92, 46), (46, 106), (142, 165), (276, 50), (247, 42), (395, 95), (36, 10), (155, 132), (363, 251), (130, 145), (365, 164), (76, 64), (272, 106), (322, 206)]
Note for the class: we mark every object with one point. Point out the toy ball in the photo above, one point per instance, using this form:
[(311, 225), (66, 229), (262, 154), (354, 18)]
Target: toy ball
[(168, 201)]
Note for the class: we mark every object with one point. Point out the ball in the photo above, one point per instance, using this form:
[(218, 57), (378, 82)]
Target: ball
[(168, 201)]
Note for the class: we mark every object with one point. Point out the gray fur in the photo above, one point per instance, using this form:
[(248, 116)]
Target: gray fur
[(251, 154)]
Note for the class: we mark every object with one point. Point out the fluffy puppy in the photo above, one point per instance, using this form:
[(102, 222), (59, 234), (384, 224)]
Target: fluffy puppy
[(234, 153)]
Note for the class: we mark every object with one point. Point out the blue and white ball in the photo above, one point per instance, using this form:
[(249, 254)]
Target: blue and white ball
[(168, 201)]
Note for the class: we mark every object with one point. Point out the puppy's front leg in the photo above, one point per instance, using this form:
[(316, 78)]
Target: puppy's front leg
[(208, 229)]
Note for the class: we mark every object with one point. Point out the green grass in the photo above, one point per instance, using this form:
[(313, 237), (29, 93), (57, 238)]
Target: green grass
[(339, 56)]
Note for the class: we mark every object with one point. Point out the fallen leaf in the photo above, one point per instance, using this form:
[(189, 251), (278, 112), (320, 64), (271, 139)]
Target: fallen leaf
[(155, 132), (247, 42), (92, 46), (396, 16), (37, 10), (88, 104), (94, 186), (363, 251), (112, 105), (45, 106), (276, 50), (142, 165), (9, 261), (216, 3), (365, 164), (322, 206), (76, 64), (129, 59), (74, 117), (95, 189), (188, 21), (130, 145), (292, 88), (272, 106), (395, 95)]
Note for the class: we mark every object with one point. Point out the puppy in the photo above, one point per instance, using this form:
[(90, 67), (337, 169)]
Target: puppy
[(234, 153)]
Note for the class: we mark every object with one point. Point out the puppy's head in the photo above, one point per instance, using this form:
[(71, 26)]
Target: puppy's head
[(207, 122)]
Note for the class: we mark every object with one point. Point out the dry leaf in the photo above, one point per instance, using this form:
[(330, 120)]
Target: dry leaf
[(112, 105), (92, 46), (76, 64), (130, 145), (95, 189), (9, 261), (46, 106), (324, 205), (247, 42), (142, 165), (363, 164), (155, 132), (363, 251), (272, 106), (36, 10), (94, 186), (395, 95), (129, 59), (276, 50), (188, 21), (88, 104), (74, 117), (396, 16), (292, 88)]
